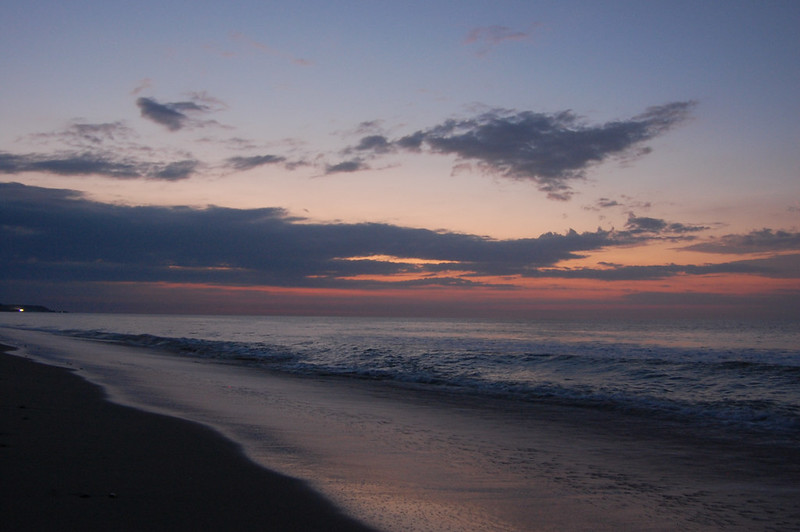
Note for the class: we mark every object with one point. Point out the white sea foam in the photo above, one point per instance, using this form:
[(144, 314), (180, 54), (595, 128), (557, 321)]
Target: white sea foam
[(745, 376), (452, 425)]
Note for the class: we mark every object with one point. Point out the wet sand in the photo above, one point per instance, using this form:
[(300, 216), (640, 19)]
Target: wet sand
[(73, 461), (413, 460)]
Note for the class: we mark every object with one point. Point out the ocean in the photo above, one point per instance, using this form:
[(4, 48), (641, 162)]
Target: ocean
[(743, 376), (726, 394)]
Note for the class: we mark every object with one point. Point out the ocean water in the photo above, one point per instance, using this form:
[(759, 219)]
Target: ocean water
[(736, 379)]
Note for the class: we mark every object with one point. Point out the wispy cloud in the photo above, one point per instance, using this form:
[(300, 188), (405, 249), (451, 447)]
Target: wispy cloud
[(765, 240), (66, 164), (373, 143), (552, 150), (103, 164), (143, 85), (110, 149), (486, 38), (264, 48), (172, 116), (638, 225), (625, 202), (115, 150), (86, 135), (254, 161), (178, 115), (604, 203), (173, 171), (776, 267), (353, 165)]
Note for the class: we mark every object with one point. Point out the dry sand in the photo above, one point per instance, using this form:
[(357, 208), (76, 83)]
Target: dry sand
[(73, 461), (398, 461)]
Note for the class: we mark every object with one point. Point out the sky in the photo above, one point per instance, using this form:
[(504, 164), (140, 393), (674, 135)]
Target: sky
[(466, 158)]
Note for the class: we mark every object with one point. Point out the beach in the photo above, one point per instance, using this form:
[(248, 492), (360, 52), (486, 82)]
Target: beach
[(392, 459), (73, 461)]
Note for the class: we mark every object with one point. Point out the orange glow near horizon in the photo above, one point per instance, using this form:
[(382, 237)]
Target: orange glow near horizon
[(206, 268), (399, 260), (733, 284), (715, 292)]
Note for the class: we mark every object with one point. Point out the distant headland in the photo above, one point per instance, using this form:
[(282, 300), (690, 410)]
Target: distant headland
[(25, 308)]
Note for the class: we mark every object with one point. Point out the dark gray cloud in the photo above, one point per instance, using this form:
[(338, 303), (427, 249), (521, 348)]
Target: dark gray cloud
[(369, 126), (20, 195), (66, 164), (779, 267), (374, 143), (353, 165), (174, 115), (57, 235), (765, 240), (248, 163), (50, 234), (605, 203), (637, 225), (96, 163), (552, 150), (162, 114), (68, 252), (174, 171), (625, 202)]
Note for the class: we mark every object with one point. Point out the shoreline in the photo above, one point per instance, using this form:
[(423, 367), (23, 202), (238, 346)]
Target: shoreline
[(73, 460), (405, 461)]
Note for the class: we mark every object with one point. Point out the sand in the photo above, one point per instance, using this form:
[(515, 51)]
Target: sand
[(73, 461), (398, 460)]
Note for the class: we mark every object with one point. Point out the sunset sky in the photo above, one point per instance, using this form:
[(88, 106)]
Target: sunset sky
[(439, 158)]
